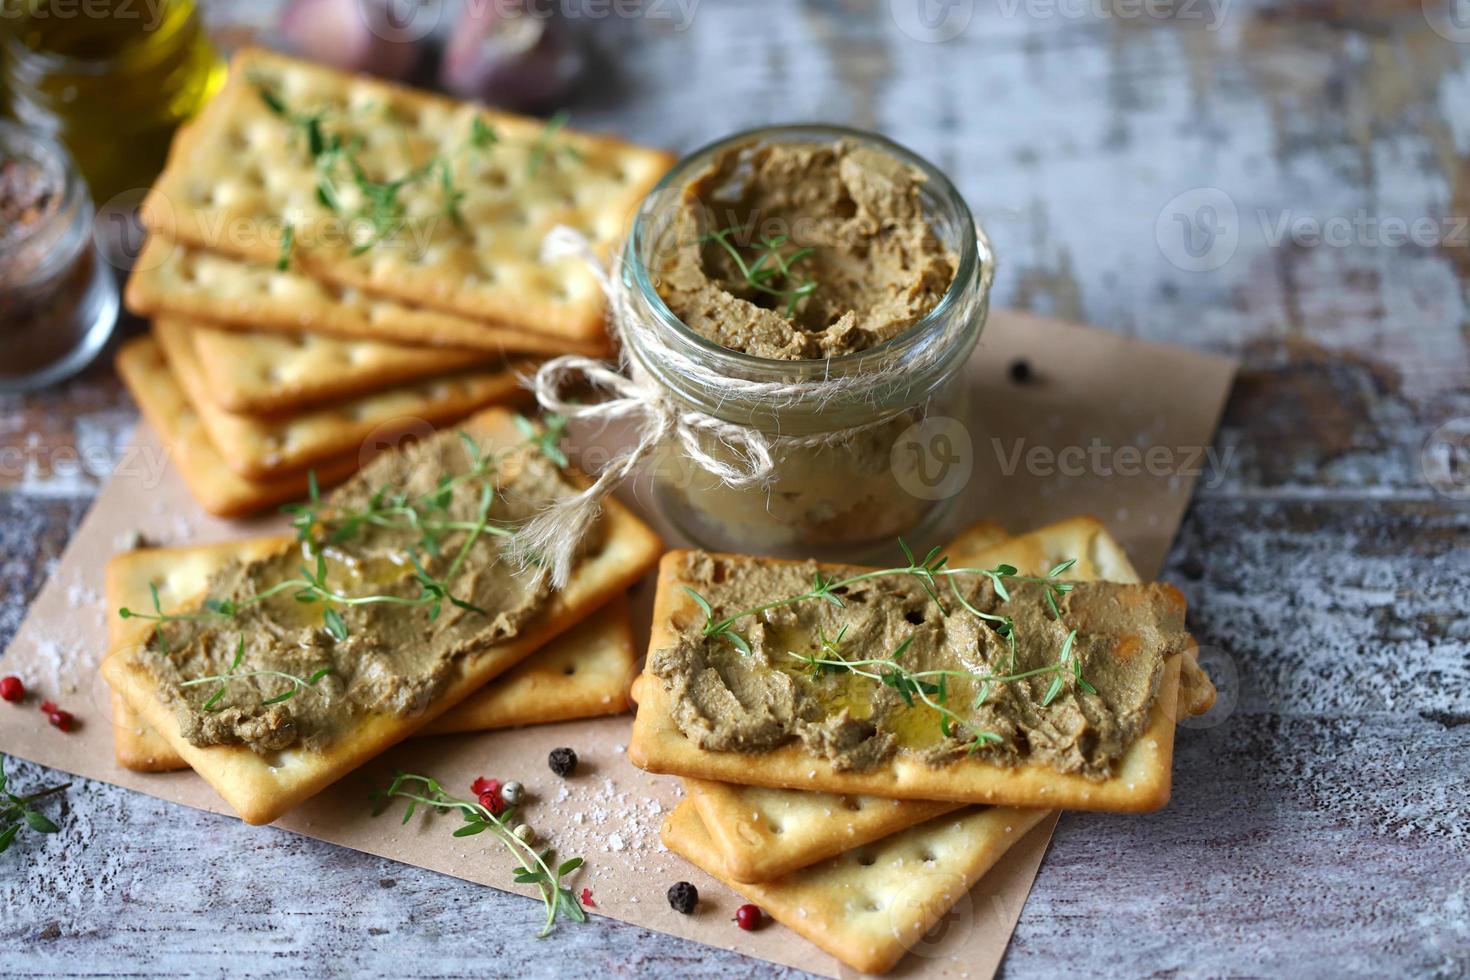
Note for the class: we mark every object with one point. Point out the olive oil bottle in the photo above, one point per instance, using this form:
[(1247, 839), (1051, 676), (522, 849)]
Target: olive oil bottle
[(110, 79)]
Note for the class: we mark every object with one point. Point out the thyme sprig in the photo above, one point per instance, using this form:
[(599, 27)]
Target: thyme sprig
[(930, 687), (16, 811), (771, 264), (382, 208), (536, 867), (311, 586), (928, 571), (544, 149), (428, 513), (547, 438), (298, 684)]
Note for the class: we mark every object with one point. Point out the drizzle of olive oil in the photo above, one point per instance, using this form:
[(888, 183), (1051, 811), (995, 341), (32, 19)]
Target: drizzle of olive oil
[(915, 727), (346, 574)]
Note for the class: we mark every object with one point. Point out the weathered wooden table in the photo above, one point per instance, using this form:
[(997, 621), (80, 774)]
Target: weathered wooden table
[(1286, 182)]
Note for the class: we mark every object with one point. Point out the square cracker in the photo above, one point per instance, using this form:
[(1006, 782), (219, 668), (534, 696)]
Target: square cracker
[(870, 906), (217, 488), (260, 789), (1140, 783), (257, 447), (584, 673), (174, 278), (242, 172), (764, 833), (259, 373)]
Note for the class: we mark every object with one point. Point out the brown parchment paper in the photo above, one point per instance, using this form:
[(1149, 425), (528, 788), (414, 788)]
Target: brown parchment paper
[(1032, 449)]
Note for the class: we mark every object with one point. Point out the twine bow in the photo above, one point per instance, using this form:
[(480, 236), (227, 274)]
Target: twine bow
[(551, 537)]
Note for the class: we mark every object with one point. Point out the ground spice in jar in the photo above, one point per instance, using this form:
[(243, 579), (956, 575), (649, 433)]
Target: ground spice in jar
[(57, 302)]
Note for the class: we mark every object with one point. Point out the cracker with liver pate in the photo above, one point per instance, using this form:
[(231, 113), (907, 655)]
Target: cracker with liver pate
[(258, 373), (173, 278), (870, 906), (258, 447), (584, 673), (261, 787), (220, 490), (763, 833), (1139, 781), (473, 193), (179, 575)]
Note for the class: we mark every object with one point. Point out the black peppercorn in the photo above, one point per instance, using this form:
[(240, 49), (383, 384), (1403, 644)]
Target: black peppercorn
[(562, 761), (1020, 370), (683, 897)]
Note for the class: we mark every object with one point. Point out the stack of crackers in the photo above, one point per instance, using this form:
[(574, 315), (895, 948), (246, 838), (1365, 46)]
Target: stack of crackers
[(865, 864), (334, 262)]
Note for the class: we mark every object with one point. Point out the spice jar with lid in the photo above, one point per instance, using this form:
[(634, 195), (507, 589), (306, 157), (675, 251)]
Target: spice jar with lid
[(810, 294), (58, 299)]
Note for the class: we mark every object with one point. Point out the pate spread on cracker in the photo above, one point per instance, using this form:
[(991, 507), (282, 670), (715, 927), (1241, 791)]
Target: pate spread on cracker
[(829, 674), (400, 576), (1139, 780), (584, 673)]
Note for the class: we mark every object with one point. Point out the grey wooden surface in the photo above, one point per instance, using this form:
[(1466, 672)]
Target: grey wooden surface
[(1320, 825)]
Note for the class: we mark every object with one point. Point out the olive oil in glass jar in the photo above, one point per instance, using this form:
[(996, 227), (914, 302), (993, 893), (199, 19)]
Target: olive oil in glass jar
[(109, 79)]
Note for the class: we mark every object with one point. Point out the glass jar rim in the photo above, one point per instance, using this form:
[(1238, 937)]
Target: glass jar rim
[(966, 271)]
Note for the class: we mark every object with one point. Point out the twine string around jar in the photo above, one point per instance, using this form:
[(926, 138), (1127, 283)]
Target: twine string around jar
[(550, 539)]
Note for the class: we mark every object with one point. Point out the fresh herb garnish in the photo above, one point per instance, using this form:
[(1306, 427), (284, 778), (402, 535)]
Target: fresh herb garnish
[(311, 586), (771, 264), (536, 868), (16, 811), (288, 241), (382, 208), (930, 687), (543, 149), (547, 438), (298, 684), (317, 527)]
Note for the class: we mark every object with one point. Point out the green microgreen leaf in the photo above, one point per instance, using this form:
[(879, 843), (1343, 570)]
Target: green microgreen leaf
[(336, 626), (38, 822), (709, 612), (288, 241), (769, 265)]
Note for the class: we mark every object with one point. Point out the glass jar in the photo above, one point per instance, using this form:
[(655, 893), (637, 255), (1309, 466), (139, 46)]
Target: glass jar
[(58, 299), (110, 79), (829, 496)]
